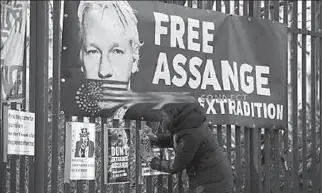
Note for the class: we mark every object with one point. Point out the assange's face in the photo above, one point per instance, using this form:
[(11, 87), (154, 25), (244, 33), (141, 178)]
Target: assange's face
[(107, 52)]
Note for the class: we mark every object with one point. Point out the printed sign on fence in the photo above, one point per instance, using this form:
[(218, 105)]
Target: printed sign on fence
[(83, 151), (118, 163), (233, 66), (21, 133)]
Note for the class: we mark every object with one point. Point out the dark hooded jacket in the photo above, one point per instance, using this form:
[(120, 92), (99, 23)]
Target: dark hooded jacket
[(196, 148)]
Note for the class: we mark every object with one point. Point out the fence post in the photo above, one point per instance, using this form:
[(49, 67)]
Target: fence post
[(39, 12), (254, 11), (56, 93)]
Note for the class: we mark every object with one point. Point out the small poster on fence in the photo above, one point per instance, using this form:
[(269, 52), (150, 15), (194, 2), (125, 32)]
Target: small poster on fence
[(19, 131), (147, 151), (118, 164), (82, 151)]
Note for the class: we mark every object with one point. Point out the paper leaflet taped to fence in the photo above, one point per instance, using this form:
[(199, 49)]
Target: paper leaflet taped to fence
[(13, 25), (118, 163), (82, 140), (234, 67), (20, 129)]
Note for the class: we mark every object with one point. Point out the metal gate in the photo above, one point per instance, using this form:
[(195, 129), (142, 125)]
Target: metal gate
[(263, 160)]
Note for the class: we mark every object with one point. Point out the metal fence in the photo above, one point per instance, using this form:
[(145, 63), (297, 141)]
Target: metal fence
[(263, 160)]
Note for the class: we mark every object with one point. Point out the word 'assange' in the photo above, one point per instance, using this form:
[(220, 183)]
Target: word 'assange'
[(243, 77)]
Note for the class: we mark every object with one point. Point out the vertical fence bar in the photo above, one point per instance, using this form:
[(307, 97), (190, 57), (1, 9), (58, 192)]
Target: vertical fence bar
[(160, 177), (245, 7), (254, 164), (238, 160), (92, 182), (115, 187), (149, 184), (79, 183), (22, 178), (236, 7), (127, 124), (103, 186), (149, 179), (218, 5), (13, 161), (267, 162), (255, 142), (190, 3), (32, 81), (227, 7), (199, 5), (180, 183), (56, 95), (40, 9), (247, 160), (286, 147), (229, 142), (2, 164), (277, 159), (320, 63), (276, 133), (170, 184), (67, 186), (220, 135), (304, 74), (313, 97), (266, 9), (209, 5), (138, 158), (260, 161), (294, 96), (276, 8)]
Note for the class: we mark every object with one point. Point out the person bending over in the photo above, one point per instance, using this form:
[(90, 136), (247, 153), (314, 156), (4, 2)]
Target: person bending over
[(196, 150)]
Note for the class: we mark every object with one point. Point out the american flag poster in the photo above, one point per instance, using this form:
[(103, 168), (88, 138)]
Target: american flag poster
[(147, 151)]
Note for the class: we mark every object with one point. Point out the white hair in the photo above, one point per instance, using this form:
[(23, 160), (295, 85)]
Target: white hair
[(126, 16)]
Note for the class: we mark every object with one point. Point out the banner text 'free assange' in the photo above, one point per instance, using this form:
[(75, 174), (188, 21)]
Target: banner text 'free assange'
[(234, 77)]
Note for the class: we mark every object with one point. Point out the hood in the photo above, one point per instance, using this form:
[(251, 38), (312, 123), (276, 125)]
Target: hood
[(187, 116)]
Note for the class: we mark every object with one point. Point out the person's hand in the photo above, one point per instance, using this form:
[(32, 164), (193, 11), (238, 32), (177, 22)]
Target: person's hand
[(155, 163)]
